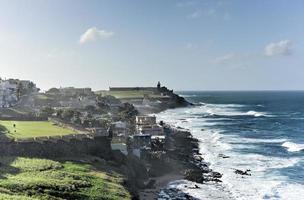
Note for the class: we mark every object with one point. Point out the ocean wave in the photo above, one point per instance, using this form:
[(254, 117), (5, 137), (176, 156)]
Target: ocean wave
[(255, 113), (214, 142), (293, 147), (222, 105), (286, 191), (227, 110), (258, 140)]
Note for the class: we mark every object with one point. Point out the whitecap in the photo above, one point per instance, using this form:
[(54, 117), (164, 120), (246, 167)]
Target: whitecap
[(293, 147), (255, 113)]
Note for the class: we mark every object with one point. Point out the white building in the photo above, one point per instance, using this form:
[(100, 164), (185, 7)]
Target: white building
[(8, 93), (11, 89), (145, 120), (148, 125)]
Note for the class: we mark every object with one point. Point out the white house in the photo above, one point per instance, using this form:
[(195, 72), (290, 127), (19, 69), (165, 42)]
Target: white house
[(8, 93), (148, 125)]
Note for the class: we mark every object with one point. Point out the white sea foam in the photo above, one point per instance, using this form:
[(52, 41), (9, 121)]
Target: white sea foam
[(255, 113), (206, 191), (262, 184), (227, 110), (293, 147)]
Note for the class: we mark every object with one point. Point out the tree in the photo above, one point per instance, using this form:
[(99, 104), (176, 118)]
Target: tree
[(47, 110), (127, 112), (67, 114), (53, 90), (90, 108)]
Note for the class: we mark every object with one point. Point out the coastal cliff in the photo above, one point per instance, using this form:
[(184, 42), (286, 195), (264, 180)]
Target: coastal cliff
[(83, 109)]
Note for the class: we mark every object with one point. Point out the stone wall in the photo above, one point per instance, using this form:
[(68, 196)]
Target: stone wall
[(54, 147), (132, 88)]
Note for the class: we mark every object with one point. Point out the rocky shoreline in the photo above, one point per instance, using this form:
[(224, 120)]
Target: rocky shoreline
[(179, 159), (184, 161)]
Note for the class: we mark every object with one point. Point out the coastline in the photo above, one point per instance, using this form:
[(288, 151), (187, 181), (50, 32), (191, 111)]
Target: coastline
[(161, 182), (189, 163)]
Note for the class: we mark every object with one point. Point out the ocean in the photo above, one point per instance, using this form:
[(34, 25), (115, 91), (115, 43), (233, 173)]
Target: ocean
[(262, 131)]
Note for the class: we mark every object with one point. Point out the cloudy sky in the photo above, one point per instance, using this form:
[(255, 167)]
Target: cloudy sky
[(187, 45)]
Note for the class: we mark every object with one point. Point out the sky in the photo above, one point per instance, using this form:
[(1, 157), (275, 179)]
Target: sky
[(184, 44)]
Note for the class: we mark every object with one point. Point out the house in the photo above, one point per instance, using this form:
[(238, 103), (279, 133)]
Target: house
[(8, 93), (153, 129), (148, 125), (145, 120), (120, 129), (121, 147), (141, 145), (12, 89), (141, 140)]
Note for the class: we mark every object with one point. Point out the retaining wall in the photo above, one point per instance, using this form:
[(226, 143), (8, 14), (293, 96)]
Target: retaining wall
[(58, 146)]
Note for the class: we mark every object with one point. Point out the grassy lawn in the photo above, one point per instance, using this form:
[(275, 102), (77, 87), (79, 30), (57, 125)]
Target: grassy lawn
[(31, 178), (28, 129), (131, 94)]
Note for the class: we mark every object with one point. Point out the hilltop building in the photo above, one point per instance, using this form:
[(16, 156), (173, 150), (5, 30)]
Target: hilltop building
[(11, 90)]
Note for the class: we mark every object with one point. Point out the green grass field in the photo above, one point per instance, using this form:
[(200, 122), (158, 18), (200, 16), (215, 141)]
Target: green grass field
[(29, 129), (131, 94), (43, 179)]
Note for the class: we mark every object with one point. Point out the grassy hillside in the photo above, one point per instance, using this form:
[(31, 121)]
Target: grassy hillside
[(28, 179), (28, 129)]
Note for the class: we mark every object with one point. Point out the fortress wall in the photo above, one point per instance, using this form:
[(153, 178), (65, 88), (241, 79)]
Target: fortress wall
[(59, 147), (132, 88)]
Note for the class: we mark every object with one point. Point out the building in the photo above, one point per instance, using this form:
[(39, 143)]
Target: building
[(141, 140), (153, 129), (141, 145), (12, 89), (145, 120), (148, 125), (152, 89), (71, 91), (120, 129)]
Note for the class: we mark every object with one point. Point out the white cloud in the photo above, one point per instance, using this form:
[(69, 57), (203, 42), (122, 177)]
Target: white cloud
[(225, 58), (201, 12), (196, 14), (93, 34), (283, 47), (186, 3)]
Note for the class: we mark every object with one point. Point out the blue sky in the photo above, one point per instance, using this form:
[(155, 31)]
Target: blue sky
[(187, 45)]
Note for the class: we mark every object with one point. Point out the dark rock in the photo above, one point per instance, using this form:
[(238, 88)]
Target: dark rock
[(119, 157), (216, 175), (194, 175), (246, 172), (223, 156), (151, 183)]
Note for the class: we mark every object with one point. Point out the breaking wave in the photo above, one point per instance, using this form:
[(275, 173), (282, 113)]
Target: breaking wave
[(265, 183), (293, 147)]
